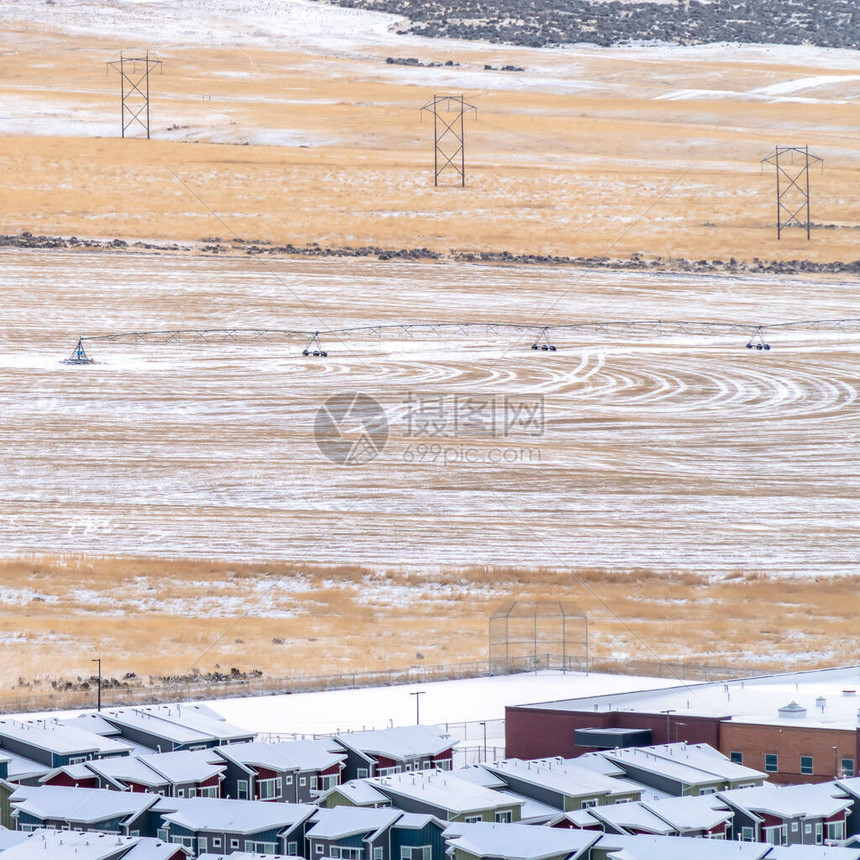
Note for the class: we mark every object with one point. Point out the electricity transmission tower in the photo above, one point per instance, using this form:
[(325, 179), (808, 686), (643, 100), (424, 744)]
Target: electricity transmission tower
[(134, 90), (792, 186), (449, 139)]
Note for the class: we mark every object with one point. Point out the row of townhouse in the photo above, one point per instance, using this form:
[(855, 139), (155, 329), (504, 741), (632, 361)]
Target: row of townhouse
[(188, 751), (459, 841)]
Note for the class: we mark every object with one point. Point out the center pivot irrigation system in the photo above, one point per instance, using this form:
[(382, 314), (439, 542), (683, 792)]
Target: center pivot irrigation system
[(540, 337)]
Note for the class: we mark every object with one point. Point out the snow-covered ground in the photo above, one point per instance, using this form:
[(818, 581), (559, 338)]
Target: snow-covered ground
[(670, 454)]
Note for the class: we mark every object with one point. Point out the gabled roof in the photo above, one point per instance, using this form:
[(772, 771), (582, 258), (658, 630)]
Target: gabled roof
[(700, 812), (119, 771), (705, 758), (94, 723), (82, 805), (561, 776), (813, 852), (643, 758), (628, 817), (182, 724), (360, 792), (532, 811), (231, 816), (675, 848), (789, 801), (292, 755), (185, 765), (442, 790), (342, 821), (479, 775), (399, 743), (60, 739), (20, 767), (73, 771), (518, 841), (78, 845)]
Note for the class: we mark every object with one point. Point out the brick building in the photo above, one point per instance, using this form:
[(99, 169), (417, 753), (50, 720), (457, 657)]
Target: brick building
[(797, 727)]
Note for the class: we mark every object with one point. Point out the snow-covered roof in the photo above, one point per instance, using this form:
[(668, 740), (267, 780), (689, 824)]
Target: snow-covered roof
[(78, 845), (231, 816), (185, 765), (90, 722), (58, 738), (632, 817), (479, 775), (8, 838), (673, 761), (342, 821), (178, 723), (360, 792), (675, 848), (291, 755), (813, 852), (790, 801), (83, 805), (443, 790), (20, 768), (73, 771), (518, 841), (699, 812), (598, 763), (400, 742), (532, 811), (126, 769), (754, 700), (564, 777), (246, 855)]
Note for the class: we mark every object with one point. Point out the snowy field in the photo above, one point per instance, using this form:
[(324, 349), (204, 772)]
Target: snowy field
[(666, 454)]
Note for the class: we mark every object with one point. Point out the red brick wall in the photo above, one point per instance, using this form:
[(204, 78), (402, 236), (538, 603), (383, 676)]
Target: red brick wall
[(536, 733), (789, 743)]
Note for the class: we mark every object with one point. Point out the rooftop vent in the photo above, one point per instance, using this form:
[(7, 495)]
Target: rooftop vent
[(792, 711), (821, 702)]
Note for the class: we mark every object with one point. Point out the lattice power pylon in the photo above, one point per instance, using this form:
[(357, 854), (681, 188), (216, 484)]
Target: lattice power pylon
[(449, 137), (792, 186), (134, 90)]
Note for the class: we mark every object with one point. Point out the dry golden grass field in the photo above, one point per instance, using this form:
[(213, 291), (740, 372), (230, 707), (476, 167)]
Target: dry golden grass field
[(700, 505)]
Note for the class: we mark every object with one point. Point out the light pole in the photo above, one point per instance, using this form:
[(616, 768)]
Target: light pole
[(484, 724), (99, 661), (667, 712), (835, 762), (676, 729), (418, 705)]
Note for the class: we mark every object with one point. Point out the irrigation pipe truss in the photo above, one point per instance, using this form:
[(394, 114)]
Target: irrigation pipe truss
[(539, 337)]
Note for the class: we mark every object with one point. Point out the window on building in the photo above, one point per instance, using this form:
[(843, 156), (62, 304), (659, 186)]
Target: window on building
[(807, 828), (387, 771), (747, 834), (216, 841), (288, 779), (242, 789), (303, 781), (256, 847), (293, 849), (163, 834), (180, 792), (588, 803), (340, 853), (806, 764), (415, 852), (184, 841), (836, 831), (771, 762), (77, 759), (208, 791), (472, 819), (819, 833), (234, 843), (504, 816), (269, 788), (202, 845), (319, 849), (847, 768), (737, 757), (378, 852), (773, 835), (328, 782), (444, 764), (794, 826), (363, 773), (709, 789), (427, 764)]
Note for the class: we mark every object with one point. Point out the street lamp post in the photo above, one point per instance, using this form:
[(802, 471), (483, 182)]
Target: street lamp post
[(418, 705), (484, 724), (99, 661)]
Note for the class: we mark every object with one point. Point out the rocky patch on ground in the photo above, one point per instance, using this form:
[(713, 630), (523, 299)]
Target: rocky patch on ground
[(636, 262), (549, 23)]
